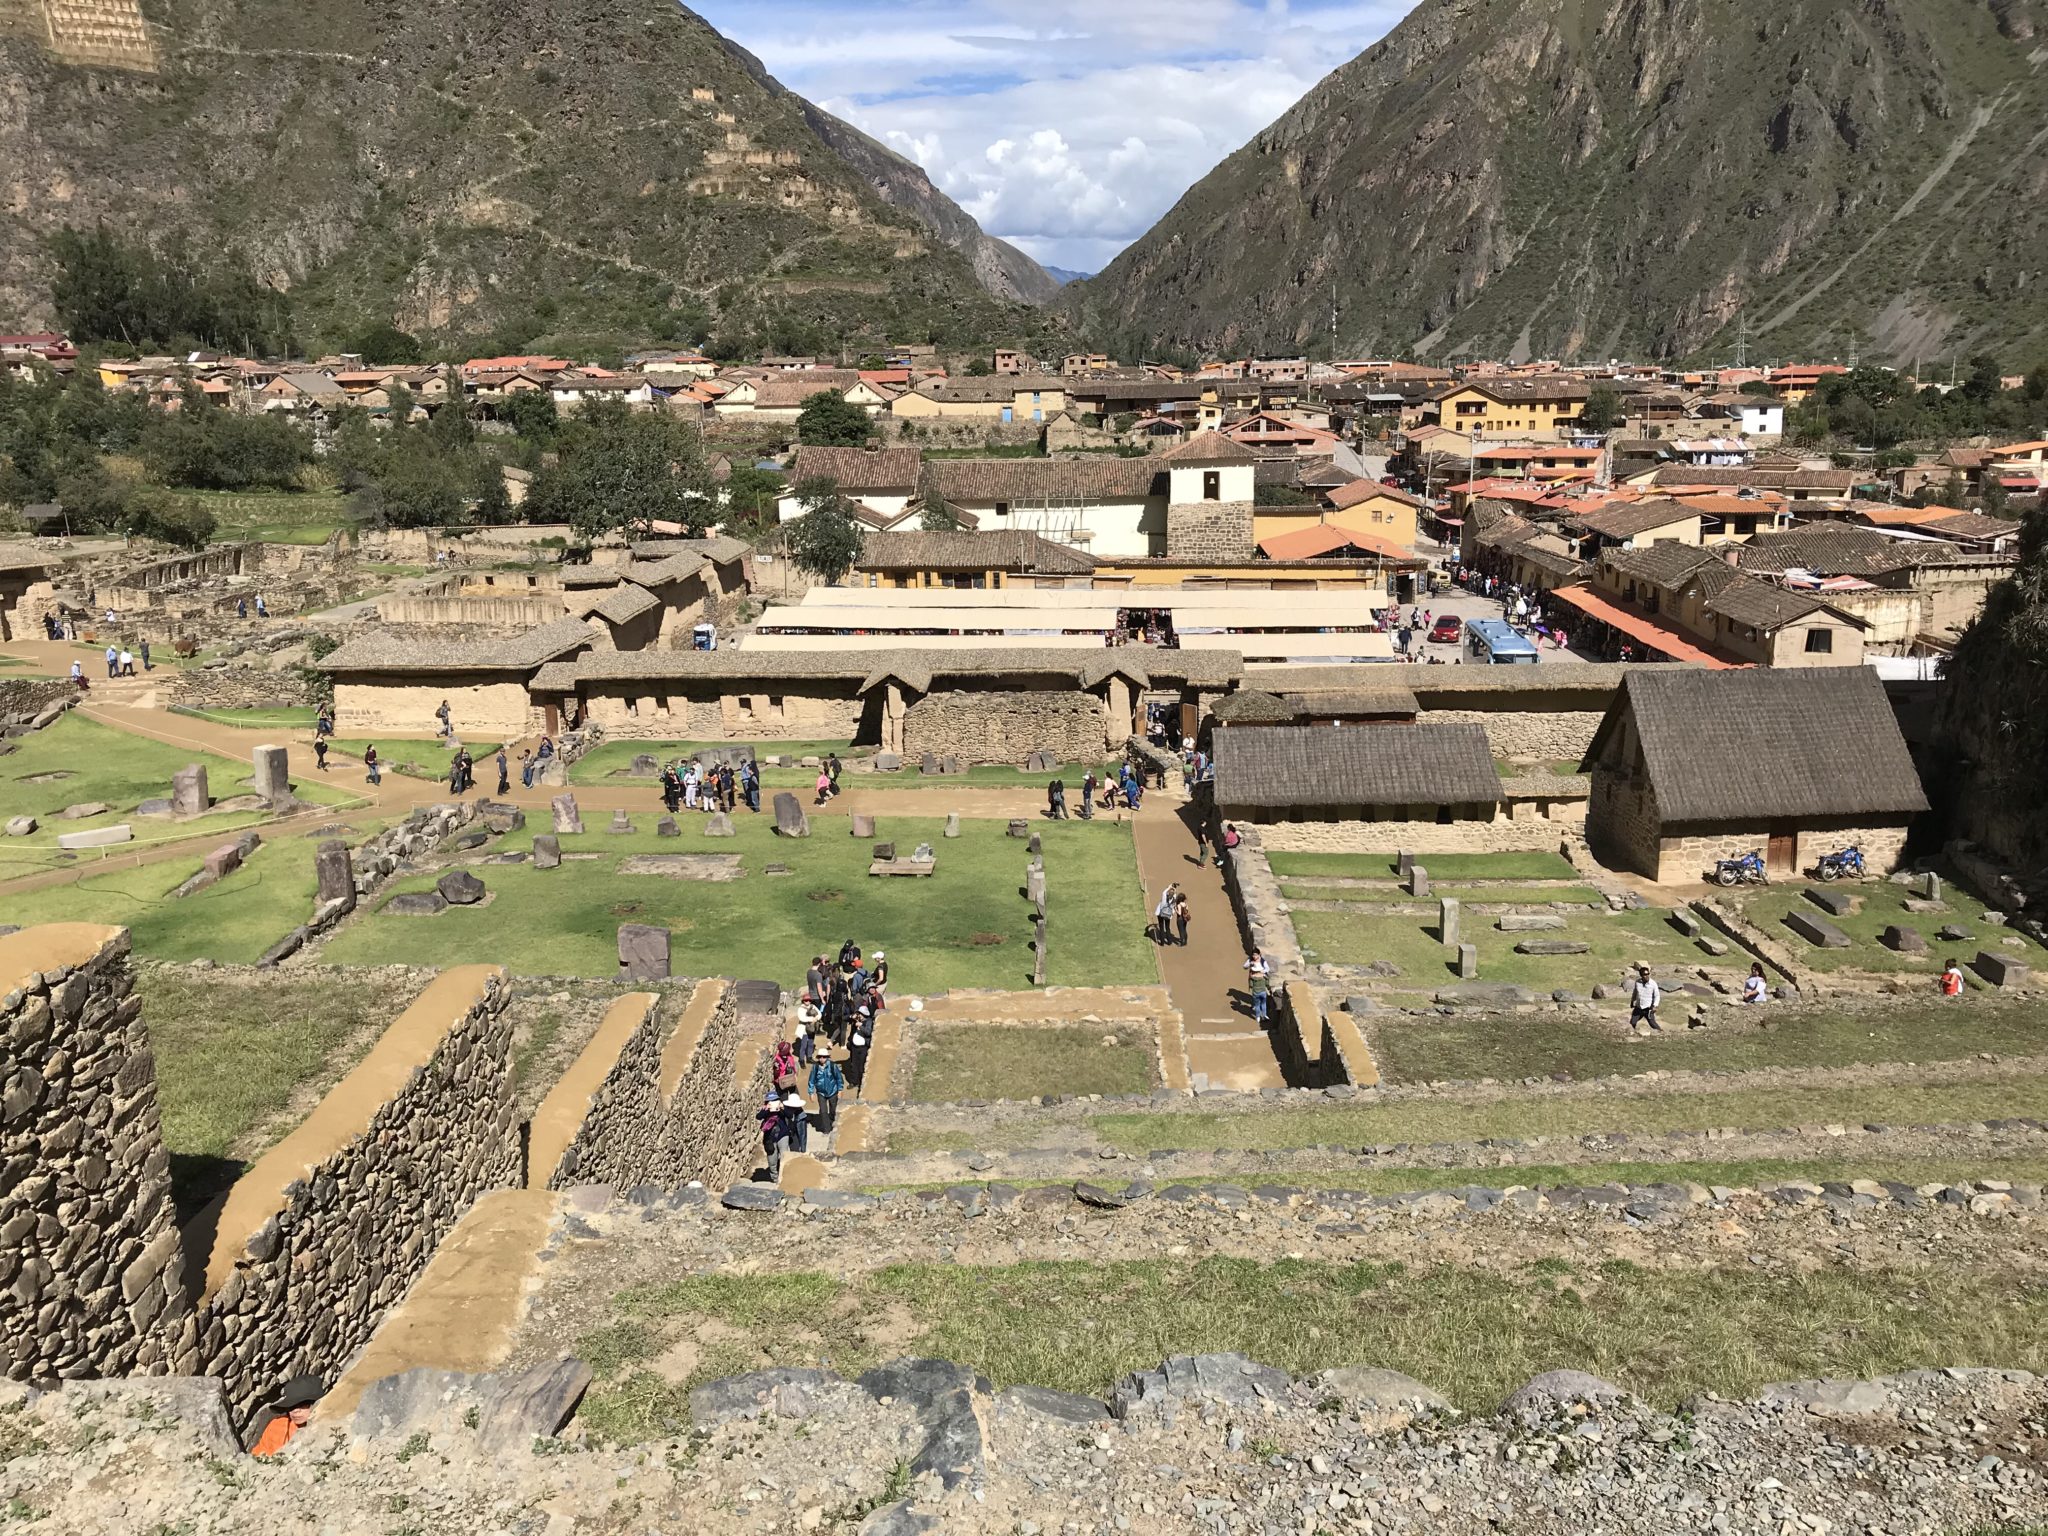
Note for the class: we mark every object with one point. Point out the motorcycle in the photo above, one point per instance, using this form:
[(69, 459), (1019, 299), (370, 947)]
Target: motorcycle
[(1844, 864), (1747, 870)]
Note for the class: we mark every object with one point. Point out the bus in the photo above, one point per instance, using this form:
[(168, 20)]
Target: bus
[(1494, 642)]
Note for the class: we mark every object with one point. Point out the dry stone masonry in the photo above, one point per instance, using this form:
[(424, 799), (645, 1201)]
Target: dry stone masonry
[(983, 728)]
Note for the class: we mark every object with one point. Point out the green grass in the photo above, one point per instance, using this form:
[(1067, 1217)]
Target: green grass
[(609, 762), (416, 758), (277, 517), (1393, 895), (957, 1061), (1474, 1335), (231, 1054), (1428, 1120), (1882, 905), (234, 921), (1618, 940), (1441, 866), (1434, 1047), (288, 719), (966, 926)]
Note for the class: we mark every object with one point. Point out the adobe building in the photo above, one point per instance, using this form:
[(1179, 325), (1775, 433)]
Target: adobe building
[(393, 683), (1691, 766)]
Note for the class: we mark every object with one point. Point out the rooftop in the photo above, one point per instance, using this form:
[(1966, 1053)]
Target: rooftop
[(1281, 767), (999, 550), (385, 651)]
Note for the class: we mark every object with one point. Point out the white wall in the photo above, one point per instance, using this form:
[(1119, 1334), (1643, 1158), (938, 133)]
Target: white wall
[(1185, 484)]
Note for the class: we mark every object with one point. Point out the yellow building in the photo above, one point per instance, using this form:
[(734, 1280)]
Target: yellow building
[(1020, 398), (1528, 407), (1381, 514)]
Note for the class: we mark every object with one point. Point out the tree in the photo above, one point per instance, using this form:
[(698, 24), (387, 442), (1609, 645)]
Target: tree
[(210, 449), (385, 345), (532, 414), (830, 420), (938, 517), (621, 468), (108, 288), (752, 492), (980, 368), (1759, 389), (825, 541), (1603, 410)]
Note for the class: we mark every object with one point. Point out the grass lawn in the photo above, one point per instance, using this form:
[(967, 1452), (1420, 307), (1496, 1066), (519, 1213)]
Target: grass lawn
[(240, 1061), (288, 719), (117, 769), (967, 1061), (1578, 1115), (1393, 895), (1473, 1335), (1882, 905), (1434, 1047), (422, 758), (234, 921), (609, 764), (1441, 866), (1618, 939), (966, 926), (277, 517)]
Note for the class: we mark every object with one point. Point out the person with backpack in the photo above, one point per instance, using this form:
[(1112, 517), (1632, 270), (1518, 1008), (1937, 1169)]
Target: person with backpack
[(828, 1081), (774, 1134), (857, 1062), (1260, 981), (320, 753), (370, 762)]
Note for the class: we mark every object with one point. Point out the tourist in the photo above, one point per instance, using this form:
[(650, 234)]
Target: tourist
[(241, 607), (504, 772), (447, 723), (52, 630), (127, 662), (1110, 790), (113, 661), (832, 770), (857, 1062), (692, 783), (1181, 914), (1643, 997), (1058, 789), (1260, 980), (750, 785), (323, 722), (290, 1410), (370, 762), (878, 979), (806, 1042), (1229, 838), (262, 608), (814, 980), (1162, 916), (785, 1068), (1754, 988), (774, 1133), (320, 753), (1201, 847), (1952, 980), (824, 786), (827, 1083), (78, 678), (797, 1118), (1088, 782), (1052, 799), (526, 766)]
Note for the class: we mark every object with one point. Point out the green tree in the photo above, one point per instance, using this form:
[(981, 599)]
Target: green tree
[(532, 414), (830, 420), (1759, 389), (153, 513), (980, 368), (752, 492), (826, 540), (620, 468), (205, 448), (938, 516), (384, 345), (1603, 411)]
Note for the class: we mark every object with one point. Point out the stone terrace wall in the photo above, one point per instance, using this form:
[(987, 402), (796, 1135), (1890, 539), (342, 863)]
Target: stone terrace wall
[(23, 698), (242, 688), (1006, 727), (89, 1279), (1504, 834), (324, 1235), (644, 1105)]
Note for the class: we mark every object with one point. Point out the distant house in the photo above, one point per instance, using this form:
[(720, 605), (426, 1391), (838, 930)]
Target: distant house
[(1693, 766), (881, 479), (1532, 407), (301, 392), (1436, 774)]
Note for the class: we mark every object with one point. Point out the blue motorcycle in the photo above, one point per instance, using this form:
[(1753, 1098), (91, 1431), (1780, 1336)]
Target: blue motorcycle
[(1845, 864), (1747, 870)]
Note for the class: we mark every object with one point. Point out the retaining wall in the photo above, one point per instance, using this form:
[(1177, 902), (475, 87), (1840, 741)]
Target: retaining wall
[(90, 1283), (326, 1232), (1504, 834), (1007, 727)]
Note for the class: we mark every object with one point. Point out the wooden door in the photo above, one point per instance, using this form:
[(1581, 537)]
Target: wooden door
[(1782, 856), (554, 717), (1189, 720)]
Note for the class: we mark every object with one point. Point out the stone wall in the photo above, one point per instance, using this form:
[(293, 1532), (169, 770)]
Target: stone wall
[(316, 1243), (497, 705), (23, 698), (647, 1103), (88, 1242), (241, 688), (1685, 853), (761, 716), (485, 546), (1548, 734), (512, 614), (1209, 530), (1504, 834), (1006, 727)]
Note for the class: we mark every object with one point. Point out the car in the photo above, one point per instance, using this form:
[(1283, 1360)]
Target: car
[(1446, 630)]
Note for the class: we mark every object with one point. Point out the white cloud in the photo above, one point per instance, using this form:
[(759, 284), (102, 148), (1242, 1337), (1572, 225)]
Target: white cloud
[(1070, 133)]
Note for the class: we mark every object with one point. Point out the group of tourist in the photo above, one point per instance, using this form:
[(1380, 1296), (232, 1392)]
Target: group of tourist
[(1124, 789), (827, 1055), (827, 785), (692, 786)]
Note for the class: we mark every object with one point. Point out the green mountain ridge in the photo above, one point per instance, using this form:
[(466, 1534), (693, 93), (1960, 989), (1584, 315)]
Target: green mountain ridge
[(1594, 178), (532, 172)]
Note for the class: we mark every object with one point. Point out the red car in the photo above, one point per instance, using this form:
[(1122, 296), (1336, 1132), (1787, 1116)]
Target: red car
[(1446, 630)]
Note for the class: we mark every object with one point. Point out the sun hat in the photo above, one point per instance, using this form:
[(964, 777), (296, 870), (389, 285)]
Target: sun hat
[(794, 1101), (880, 956), (299, 1392)]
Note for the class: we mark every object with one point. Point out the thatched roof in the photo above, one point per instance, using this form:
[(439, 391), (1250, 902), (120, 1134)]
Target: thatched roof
[(385, 651), (998, 550), (1253, 706), (1767, 743), (920, 669), (625, 603), (1318, 765)]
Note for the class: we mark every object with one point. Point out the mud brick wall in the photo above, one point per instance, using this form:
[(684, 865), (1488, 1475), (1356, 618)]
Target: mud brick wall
[(647, 1103), (1007, 727), (1209, 530), (90, 1283), (322, 1237), (1504, 834)]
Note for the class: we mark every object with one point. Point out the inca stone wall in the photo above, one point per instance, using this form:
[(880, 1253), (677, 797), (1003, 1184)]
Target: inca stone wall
[(1550, 734), (326, 1232), (1209, 530), (650, 1104), (241, 688), (1504, 834), (90, 1282), (1007, 727), (663, 716), (23, 698)]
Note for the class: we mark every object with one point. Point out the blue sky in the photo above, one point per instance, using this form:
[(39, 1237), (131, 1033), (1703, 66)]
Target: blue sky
[(1067, 126)]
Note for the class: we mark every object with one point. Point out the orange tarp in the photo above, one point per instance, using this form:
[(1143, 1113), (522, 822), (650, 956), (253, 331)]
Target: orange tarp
[(1653, 632)]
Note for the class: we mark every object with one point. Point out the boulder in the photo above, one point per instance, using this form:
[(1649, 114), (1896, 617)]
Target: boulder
[(1019, 829), (500, 817), (1948, 934), (508, 1412), (666, 827), (646, 765), (1816, 930), (752, 1197), (1552, 947), (718, 824), (952, 824), (85, 809), (160, 806), (417, 904), (643, 952), (929, 763), (98, 837), (888, 762), (1999, 970), (1682, 920), (568, 819), (943, 1396), (459, 888), (225, 860), (1384, 1400), (885, 853), (863, 826), (789, 1392), (547, 852), (1229, 1379), (1907, 941), (1045, 1403), (1831, 1399), (790, 820), (20, 826), (188, 791)]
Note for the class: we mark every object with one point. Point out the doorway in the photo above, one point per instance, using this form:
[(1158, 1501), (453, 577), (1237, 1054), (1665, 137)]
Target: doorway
[(1781, 856)]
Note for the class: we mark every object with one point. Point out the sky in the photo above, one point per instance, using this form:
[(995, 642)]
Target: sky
[(1067, 127)]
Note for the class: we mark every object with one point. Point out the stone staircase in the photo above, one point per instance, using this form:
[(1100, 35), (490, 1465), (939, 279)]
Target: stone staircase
[(103, 32)]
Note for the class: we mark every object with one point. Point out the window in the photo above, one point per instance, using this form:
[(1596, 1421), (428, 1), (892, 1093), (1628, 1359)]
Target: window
[(1002, 509), (1212, 485), (1820, 642)]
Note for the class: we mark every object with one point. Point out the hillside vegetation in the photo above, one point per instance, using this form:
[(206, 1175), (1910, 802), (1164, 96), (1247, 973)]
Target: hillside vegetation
[(1587, 178), (528, 173)]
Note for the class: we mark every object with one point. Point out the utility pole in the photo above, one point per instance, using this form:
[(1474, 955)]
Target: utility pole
[(1742, 343)]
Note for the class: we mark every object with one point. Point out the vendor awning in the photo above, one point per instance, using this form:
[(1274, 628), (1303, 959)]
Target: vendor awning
[(1667, 639)]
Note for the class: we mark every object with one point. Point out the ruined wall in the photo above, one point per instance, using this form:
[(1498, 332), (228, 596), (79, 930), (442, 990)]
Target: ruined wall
[(89, 1279), (512, 613), (240, 688), (1006, 727), (23, 698), (1209, 530), (325, 1233), (1548, 734), (487, 546), (649, 1104)]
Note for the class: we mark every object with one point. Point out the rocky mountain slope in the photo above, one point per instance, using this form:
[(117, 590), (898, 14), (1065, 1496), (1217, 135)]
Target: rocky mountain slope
[(533, 169), (1582, 178)]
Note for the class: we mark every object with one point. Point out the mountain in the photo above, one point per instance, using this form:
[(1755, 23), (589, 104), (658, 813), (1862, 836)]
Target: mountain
[(531, 171), (1063, 276), (1591, 178)]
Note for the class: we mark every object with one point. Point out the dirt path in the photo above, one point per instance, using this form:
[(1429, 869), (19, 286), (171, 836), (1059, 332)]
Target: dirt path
[(1223, 1044)]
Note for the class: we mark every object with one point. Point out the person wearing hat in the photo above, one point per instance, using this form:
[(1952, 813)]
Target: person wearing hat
[(796, 1121), (878, 978), (774, 1133), (857, 1061), (828, 1081), (806, 1042), (1643, 997), (290, 1410)]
